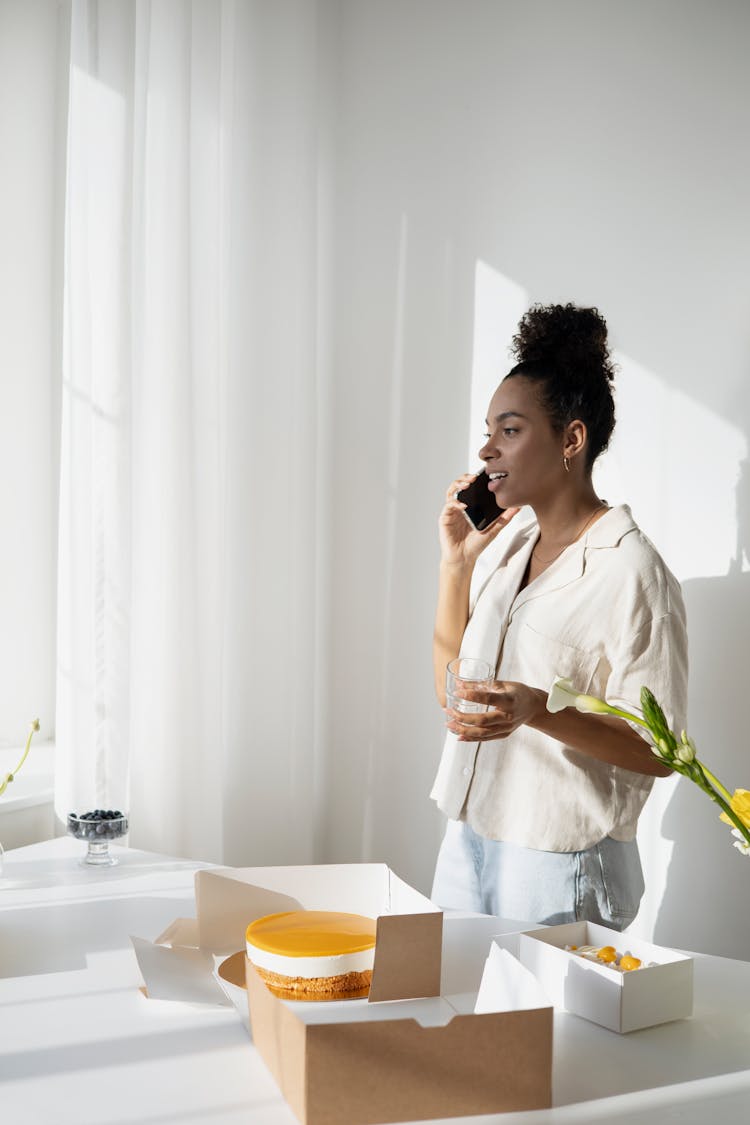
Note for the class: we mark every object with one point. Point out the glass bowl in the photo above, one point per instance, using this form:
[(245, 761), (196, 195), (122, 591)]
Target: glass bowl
[(98, 828)]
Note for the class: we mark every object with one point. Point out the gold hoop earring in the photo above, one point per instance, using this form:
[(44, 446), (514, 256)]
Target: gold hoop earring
[(566, 464)]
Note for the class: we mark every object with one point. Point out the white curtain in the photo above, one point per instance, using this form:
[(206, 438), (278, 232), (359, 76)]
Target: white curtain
[(193, 528)]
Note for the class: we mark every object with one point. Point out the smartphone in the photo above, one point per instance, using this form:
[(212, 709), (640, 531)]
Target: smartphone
[(481, 507)]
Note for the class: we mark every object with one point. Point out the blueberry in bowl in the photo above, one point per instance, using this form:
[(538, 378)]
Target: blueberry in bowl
[(98, 827)]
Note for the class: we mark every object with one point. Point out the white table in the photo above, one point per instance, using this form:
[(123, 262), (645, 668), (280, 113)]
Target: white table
[(80, 1044)]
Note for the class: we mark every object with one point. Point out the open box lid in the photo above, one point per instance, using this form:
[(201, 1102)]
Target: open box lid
[(409, 926)]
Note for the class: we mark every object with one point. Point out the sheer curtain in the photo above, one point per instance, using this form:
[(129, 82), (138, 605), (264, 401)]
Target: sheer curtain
[(193, 524)]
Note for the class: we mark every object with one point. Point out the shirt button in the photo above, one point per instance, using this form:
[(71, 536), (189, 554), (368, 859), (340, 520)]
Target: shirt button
[(466, 771)]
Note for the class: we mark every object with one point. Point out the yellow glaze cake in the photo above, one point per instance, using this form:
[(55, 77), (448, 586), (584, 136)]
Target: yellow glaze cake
[(313, 954)]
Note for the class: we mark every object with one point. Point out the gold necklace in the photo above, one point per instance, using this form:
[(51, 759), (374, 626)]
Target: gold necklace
[(547, 562)]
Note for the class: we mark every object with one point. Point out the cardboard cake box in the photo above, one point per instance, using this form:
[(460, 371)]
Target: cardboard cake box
[(622, 1001), (481, 1043)]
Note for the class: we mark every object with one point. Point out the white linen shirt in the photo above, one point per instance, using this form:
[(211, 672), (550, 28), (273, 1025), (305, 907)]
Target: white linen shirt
[(608, 615)]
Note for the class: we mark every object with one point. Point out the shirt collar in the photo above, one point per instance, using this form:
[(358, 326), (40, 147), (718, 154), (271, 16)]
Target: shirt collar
[(608, 531), (610, 528)]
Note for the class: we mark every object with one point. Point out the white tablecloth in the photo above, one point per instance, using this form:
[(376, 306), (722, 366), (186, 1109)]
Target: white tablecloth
[(80, 1044)]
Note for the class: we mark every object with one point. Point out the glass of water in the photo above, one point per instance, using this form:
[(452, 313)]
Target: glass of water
[(466, 672)]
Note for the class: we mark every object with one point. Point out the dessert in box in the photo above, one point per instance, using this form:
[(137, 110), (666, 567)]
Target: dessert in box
[(313, 954), (408, 925), (613, 979), (408, 1051)]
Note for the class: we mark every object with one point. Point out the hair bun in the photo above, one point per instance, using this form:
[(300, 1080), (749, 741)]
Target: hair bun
[(569, 339)]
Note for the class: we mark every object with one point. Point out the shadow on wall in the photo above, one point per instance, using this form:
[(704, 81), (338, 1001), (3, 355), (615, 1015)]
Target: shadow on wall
[(699, 910)]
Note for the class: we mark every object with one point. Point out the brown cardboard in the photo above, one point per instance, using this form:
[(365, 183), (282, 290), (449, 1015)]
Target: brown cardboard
[(283, 1041), (396, 1070), (407, 960)]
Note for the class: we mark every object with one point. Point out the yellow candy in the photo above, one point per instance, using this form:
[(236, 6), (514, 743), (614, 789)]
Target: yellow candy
[(607, 953), (627, 963)]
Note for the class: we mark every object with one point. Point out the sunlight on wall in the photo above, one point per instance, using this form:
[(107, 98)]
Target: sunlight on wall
[(675, 462), (499, 304), (677, 465)]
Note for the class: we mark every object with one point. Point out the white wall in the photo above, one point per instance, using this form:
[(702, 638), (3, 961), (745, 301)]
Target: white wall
[(508, 153), (31, 115)]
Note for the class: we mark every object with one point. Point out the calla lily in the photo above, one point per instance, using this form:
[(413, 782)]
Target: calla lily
[(562, 694)]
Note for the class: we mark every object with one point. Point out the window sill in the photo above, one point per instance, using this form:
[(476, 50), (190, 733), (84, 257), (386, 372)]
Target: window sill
[(35, 784)]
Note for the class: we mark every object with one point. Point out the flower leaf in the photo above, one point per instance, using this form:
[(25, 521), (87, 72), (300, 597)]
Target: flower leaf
[(656, 719)]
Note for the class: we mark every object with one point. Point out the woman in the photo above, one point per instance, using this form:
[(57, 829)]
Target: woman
[(543, 807)]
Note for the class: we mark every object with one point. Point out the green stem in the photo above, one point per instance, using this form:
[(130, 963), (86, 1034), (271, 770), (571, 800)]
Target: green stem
[(714, 781), (705, 779), (34, 727), (723, 805), (627, 715)]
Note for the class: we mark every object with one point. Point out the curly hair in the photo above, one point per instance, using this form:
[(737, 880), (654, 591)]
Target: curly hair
[(563, 349)]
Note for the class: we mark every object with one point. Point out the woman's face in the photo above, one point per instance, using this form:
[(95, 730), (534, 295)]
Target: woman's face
[(522, 447)]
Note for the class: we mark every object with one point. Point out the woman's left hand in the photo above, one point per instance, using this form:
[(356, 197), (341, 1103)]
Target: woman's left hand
[(510, 706)]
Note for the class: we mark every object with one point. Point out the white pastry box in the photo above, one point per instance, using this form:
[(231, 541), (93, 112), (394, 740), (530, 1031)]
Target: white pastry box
[(622, 1001)]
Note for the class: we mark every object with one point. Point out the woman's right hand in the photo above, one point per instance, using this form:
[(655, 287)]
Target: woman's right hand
[(460, 543)]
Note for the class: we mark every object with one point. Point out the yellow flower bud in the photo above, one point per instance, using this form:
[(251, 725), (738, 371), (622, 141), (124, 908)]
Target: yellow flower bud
[(740, 806)]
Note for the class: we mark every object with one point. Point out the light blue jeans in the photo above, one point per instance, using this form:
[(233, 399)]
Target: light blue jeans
[(603, 884)]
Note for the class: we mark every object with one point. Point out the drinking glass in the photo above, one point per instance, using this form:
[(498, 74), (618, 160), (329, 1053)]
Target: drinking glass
[(466, 672)]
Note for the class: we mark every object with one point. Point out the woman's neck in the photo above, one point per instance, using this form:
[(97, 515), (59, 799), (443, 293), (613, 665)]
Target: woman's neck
[(563, 517)]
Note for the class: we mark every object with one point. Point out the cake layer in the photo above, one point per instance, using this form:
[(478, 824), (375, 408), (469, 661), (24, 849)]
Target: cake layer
[(345, 986), (312, 944), (311, 966)]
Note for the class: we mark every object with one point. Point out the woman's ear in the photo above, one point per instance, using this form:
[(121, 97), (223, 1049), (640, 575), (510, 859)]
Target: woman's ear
[(575, 439)]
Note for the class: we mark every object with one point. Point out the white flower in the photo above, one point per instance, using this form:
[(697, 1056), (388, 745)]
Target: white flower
[(685, 753), (741, 843), (562, 694)]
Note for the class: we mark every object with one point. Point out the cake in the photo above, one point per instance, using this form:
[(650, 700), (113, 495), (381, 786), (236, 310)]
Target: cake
[(313, 954)]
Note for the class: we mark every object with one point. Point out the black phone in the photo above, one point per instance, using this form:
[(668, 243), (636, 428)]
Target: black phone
[(481, 506)]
